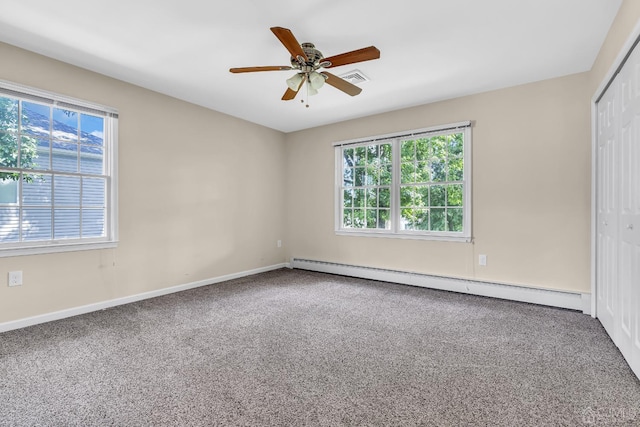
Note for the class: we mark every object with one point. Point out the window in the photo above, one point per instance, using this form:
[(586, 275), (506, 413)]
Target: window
[(415, 185), (57, 173)]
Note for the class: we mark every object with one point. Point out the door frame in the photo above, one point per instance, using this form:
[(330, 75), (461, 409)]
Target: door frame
[(617, 64)]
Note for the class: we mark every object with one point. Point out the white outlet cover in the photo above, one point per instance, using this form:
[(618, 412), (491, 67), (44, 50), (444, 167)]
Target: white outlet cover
[(15, 278)]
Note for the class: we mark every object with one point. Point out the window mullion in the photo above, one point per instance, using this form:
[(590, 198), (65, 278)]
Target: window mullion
[(53, 204), (395, 185), (20, 207), (19, 137), (80, 203), (467, 206)]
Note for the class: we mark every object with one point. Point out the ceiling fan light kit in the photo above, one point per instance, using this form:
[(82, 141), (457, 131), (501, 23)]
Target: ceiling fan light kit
[(295, 81), (307, 60), (316, 80)]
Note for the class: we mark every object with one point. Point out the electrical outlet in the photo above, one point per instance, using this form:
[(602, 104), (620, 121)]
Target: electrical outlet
[(279, 243), (15, 278), (482, 259)]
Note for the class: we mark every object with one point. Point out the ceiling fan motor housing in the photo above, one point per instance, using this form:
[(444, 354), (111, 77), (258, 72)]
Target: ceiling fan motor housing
[(314, 56)]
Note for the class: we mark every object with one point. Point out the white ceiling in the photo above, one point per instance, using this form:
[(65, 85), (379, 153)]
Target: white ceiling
[(430, 49)]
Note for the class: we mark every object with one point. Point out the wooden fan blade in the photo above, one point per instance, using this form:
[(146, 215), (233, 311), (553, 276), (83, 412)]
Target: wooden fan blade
[(290, 93), (252, 69), (289, 41), (341, 84), (364, 54)]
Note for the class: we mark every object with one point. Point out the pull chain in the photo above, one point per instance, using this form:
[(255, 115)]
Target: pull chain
[(307, 85)]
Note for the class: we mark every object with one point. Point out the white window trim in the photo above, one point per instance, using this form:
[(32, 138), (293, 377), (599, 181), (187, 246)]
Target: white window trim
[(394, 232), (111, 155)]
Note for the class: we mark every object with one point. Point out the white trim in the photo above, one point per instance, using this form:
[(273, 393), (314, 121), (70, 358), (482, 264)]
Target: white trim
[(554, 298), (594, 208), (622, 54), (586, 304), (75, 311), (51, 248), (468, 183), (358, 232), (337, 186), (112, 203)]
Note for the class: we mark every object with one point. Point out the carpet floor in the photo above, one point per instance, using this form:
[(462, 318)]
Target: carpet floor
[(297, 348)]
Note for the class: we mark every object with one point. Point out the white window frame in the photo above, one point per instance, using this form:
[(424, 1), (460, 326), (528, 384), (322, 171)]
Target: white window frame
[(395, 231), (110, 138)]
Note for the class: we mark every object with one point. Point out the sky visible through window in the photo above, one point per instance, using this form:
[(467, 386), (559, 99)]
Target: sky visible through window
[(92, 125)]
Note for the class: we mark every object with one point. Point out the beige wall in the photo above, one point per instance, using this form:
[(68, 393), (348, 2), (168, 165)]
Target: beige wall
[(531, 189), (201, 195), (531, 182), (626, 20)]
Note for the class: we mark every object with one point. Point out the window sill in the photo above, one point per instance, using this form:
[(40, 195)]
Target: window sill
[(407, 236), (55, 248)]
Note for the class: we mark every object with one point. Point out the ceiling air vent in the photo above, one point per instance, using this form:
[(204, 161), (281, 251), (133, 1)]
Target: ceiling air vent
[(354, 77)]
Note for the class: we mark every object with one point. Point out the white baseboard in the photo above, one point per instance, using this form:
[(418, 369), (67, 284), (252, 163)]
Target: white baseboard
[(62, 314), (569, 300), (562, 299)]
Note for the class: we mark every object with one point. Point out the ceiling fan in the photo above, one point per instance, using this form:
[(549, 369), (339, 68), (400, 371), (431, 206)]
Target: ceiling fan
[(307, 60)]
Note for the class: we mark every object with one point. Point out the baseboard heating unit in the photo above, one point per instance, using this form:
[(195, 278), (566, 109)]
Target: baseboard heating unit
[(550, 297)]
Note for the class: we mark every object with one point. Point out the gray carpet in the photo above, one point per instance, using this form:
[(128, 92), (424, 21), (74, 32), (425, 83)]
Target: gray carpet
[(296, 348)]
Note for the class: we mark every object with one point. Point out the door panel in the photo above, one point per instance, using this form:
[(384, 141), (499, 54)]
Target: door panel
[(618, 211), (606, 228), (629, 223)]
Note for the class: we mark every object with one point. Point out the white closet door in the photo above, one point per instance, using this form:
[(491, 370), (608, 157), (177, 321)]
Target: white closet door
[(618, 211), (607, 213), (629, 223)]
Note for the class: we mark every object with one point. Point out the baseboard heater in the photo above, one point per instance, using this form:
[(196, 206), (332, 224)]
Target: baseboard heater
[(553, 298)]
